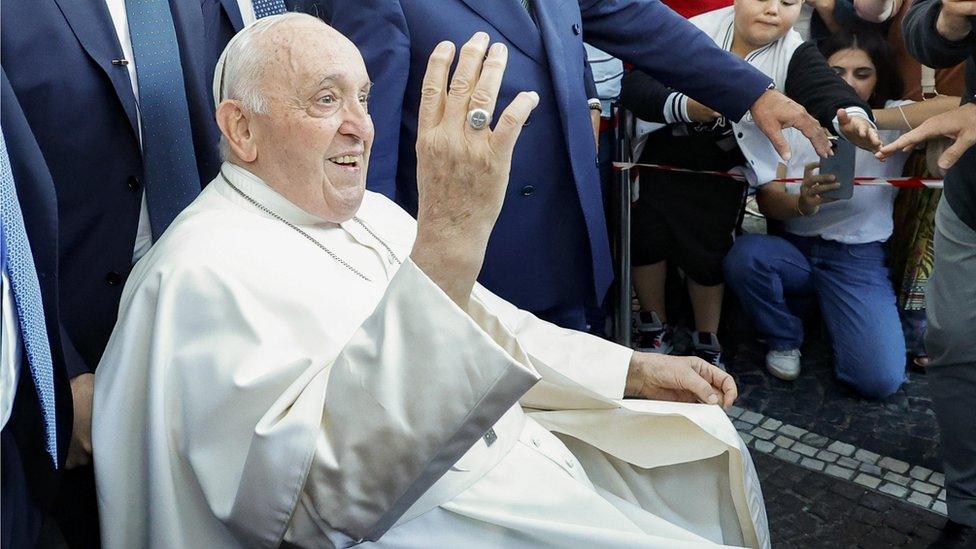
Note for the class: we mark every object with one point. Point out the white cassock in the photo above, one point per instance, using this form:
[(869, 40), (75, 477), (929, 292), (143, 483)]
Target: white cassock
[(256, 391)]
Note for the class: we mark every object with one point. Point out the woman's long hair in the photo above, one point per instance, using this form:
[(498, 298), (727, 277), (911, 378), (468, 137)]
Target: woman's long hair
[(889, 85)]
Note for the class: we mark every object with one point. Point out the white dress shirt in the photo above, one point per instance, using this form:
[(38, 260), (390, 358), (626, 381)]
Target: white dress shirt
[(116, 9), (9, 349)]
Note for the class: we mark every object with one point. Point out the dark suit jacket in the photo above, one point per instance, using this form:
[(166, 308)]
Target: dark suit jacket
[(550, 246), (58, 56), (29, 477)]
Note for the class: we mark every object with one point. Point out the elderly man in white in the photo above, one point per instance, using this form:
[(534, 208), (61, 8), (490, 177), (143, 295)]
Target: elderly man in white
[(297, 362)]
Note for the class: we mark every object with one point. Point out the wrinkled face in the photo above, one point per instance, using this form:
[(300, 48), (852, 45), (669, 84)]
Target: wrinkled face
[(314, 140), (856, 68), (759, 22)]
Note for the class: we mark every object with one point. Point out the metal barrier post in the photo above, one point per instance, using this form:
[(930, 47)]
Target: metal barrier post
[(620, 226)]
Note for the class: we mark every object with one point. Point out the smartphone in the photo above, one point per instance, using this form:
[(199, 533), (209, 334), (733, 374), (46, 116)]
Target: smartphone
[(841, 166)]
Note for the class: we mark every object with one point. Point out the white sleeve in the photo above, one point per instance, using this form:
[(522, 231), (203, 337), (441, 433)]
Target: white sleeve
[(419, 384)]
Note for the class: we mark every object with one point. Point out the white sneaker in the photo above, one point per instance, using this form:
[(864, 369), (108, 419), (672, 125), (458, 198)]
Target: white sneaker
[(784, 364)]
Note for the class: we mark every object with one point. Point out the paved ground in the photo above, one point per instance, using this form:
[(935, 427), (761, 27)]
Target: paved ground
[(807, 509), (838, 470)]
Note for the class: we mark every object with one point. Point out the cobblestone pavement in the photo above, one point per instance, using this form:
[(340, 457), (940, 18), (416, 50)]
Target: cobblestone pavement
[(839, 470), (807, 509)]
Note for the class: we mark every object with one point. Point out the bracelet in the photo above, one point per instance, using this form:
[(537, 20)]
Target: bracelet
[(905, 118), (595, 105)]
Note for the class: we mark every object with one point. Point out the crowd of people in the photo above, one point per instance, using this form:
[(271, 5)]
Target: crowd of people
[(318, 273)]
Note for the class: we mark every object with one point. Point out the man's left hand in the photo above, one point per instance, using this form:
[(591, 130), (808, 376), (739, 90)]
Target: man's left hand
[(859, 131), (679, 379)]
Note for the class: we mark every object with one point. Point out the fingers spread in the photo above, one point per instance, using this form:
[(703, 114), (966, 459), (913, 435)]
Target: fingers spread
[(814, 132), (465, 77), (434, 88), (510, 123), (951, 155), (486, 91)]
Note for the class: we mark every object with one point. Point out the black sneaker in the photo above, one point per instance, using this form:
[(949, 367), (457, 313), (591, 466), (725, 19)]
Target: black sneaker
[(708, 348), (653, 336)]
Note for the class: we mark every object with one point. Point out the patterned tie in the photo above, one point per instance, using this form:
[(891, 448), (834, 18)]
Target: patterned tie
[(17, 259), (264, 8), (169, 162)]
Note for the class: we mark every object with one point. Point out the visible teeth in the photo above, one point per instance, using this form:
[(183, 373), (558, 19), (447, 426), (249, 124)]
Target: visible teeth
[(345, 159)]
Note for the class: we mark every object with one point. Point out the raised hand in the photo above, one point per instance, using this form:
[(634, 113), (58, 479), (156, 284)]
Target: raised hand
[(462, 171)]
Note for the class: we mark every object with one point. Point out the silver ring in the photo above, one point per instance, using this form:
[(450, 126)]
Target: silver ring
[(479, 119)]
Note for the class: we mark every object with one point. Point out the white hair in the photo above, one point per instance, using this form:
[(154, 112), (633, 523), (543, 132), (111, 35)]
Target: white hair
[(242, 66)]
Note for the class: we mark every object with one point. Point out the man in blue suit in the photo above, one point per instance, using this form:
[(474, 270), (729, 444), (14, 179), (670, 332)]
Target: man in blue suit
[(117, 95), (549, 252), (35, 407)]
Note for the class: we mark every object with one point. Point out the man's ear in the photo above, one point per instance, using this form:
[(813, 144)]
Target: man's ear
[(236, 127)]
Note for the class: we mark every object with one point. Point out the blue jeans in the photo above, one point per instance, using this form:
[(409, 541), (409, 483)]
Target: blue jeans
[(853, 288)]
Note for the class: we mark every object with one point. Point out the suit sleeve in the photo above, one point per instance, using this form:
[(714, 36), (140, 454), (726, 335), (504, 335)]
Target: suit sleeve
[(665, 45), (811, 83), (926, 44), (644, 96), (379, 30)]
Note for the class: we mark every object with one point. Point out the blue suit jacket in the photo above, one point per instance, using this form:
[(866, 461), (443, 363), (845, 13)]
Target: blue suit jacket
[(549, 248), (29, 477), (58, 56)]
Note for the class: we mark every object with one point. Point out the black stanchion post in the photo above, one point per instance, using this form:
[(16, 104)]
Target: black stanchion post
[(620, 226)]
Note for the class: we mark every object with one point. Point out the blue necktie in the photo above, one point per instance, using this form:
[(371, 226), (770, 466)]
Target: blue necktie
[(17, 259), (169, 162), (264, 8)]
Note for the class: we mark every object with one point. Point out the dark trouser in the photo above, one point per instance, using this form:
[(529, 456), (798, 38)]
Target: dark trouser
[(21, 519), (951, 343), (851, 284), (75, 508)]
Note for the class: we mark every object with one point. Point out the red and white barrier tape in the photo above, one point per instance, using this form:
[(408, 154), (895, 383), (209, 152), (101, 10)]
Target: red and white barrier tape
[(905, 182)]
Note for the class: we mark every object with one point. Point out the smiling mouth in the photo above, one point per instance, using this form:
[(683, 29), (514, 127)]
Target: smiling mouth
[(347, 161)]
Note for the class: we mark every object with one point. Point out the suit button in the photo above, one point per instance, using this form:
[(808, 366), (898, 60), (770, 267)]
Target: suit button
[(528, 190), (597, 161), (134, 183), (739, 135), (576, 28), (113, 278)]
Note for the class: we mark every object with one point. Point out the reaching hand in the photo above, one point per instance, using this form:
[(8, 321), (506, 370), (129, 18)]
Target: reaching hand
[(859, 131), (679, 379), (958, 124), (813, 188), (774, 112)]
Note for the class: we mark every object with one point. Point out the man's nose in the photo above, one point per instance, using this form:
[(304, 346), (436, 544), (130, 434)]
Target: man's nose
[(356, 120)]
